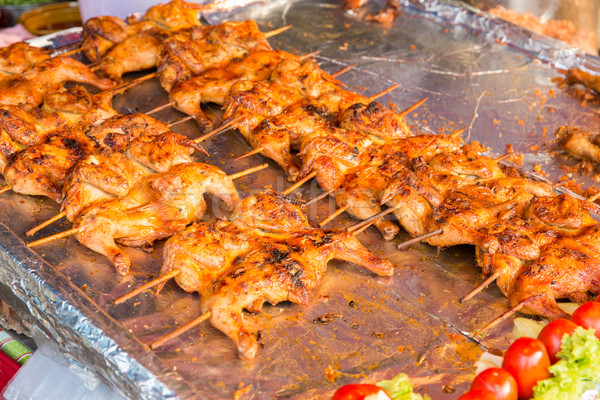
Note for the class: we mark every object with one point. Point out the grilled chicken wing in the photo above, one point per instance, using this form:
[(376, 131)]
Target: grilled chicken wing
[(213, 85), (174, 15), (157, 207), (192, 53), (98, 177), (204, 251), (114, 173)]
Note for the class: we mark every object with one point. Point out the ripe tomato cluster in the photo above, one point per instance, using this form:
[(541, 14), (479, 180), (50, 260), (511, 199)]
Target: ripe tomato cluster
[(527, 360)]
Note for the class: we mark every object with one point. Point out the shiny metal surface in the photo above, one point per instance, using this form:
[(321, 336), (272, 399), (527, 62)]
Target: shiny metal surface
[(357, 326)]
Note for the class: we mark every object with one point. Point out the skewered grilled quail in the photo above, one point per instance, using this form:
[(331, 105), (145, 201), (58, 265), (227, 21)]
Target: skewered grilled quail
[(33, 85), (157, 207)]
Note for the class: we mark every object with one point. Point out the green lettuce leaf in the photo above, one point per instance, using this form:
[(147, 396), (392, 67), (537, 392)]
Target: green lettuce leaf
[(577, 371), (399, 388)]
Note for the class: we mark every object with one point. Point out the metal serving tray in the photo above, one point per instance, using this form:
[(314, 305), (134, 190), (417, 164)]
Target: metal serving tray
[(476, 71)]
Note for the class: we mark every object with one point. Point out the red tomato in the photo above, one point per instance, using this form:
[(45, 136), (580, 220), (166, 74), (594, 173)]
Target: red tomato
[(355, 392), (588, 316), (499, 382), (527, 360), (478, 394), (597, 298), (552, 335)]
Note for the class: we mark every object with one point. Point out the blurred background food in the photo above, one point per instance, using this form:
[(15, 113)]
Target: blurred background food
[(572, 21)]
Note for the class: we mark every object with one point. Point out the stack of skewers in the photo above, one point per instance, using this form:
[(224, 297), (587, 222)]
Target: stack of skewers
[(130, 179)]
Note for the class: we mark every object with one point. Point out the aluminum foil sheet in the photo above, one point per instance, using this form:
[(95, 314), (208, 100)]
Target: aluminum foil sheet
[(357, 327)]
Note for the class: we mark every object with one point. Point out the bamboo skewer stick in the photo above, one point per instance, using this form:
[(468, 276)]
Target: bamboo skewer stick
[(419, 238), (480, 287), (69, 53), (343, 70), (299, 183), (458, 132), (502, 317), (180, 120), (180, 331), (44, 224), (319, 197), (248, 171), (73, 231), (413, 107), (333, 215), (215, 131), (593, 198), (160, 108), (250, 153), (384, 92), (504, 157), (371, 219), (51, 238), (277, 31), (148, 285)]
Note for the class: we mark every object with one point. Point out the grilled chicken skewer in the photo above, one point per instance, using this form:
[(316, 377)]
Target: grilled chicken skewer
[(30, 87), (112, 173), (20, 57), (282, 258), (157, 207)]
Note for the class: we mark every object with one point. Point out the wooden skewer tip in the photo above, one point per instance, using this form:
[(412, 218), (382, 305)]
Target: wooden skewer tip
[(277, 31), (480, 287), (250, 153), (180, 331), (299, 183), (333, 215), (51, 238), (44, 224), (419, 238), (146, 286), (414, 107), (249, 171)]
